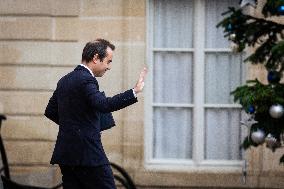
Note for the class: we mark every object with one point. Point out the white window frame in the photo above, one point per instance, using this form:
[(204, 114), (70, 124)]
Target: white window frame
[(197, 163)]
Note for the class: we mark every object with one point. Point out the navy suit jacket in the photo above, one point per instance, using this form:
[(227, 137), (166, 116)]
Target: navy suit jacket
[(82, 112)]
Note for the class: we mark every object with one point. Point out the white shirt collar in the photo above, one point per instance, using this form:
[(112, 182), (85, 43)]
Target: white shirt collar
[(87, 69)]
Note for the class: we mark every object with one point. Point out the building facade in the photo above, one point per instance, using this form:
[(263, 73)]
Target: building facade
[(183, 133)]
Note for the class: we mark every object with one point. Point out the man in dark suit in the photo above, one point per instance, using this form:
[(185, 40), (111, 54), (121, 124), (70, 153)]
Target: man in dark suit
[(82, 111)]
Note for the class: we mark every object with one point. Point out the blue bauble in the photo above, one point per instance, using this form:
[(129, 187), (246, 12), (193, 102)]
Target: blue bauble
[(280, 9), (273, 77), (251, 109), (229, 27)]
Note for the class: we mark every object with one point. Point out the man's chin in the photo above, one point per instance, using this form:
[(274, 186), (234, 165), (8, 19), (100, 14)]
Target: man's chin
[(101, 74)]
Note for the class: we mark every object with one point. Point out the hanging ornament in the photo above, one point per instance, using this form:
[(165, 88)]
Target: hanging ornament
[(250, 38), (258, 136), (232, 36), (251, 109), (280, 10), (248, 121), (276, 111), (229, 27), (273, 77), (271, 141), (248, 2)]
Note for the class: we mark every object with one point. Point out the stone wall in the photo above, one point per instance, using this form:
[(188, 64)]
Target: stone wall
[(40, 41)]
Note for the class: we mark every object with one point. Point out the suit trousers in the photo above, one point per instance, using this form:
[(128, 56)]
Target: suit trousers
[(84, 177)]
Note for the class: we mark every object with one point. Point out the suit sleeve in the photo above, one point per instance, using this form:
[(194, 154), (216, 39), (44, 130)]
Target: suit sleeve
[(105, 104), (51, 111)]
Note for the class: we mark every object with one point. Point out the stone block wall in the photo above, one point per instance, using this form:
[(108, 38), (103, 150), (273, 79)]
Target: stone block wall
[(42, 40)]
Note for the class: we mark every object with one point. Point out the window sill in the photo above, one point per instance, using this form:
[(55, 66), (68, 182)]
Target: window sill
[(208, 166)]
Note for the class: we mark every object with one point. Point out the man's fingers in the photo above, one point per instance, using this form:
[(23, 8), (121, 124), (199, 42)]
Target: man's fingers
[(144, 72), (142, 75), (140, 83), (141, 86)]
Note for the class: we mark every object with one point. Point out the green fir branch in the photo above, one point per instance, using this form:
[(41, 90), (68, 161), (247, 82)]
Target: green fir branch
[(267, 38), (270, 8), (256, 94), (252, 32), (246, 143)]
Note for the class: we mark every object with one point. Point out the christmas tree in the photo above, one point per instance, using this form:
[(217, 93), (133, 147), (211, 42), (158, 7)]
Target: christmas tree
[(263, 103)]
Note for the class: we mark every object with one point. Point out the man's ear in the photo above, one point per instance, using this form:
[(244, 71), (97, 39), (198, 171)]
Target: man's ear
[(96, 58)]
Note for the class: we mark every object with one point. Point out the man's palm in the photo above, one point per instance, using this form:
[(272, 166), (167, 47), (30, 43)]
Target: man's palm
[(140, 83)]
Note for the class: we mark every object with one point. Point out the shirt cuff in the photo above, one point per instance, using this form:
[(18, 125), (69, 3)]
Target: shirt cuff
[(135, 95)]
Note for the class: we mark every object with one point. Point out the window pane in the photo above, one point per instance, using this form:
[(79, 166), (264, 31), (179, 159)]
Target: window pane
[(222, 134), (214, 9), (173, 23), (223, 75), (172, 133), (172, 77)]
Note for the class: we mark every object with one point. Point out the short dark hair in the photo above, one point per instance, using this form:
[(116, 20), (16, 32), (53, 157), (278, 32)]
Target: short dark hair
[(97, 46)]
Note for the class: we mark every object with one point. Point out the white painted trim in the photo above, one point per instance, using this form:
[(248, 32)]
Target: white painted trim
[(197, 163), (198, 62), (172, 105), (205, 163), (148, 124), (222, 163), (112, 18), (222, 106), (215, 50), (191, 167), (173, 49)]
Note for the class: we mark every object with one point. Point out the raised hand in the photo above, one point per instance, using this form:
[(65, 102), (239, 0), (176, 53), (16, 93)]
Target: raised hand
[(140, 83)]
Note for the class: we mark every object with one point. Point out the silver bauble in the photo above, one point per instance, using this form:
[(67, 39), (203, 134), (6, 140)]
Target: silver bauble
[(276, 111), (271, 141), (258, 136), (232, 36), (250, 38)]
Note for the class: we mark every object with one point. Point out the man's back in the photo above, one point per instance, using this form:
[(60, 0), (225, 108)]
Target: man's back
[(79, 139), (73, 106)]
